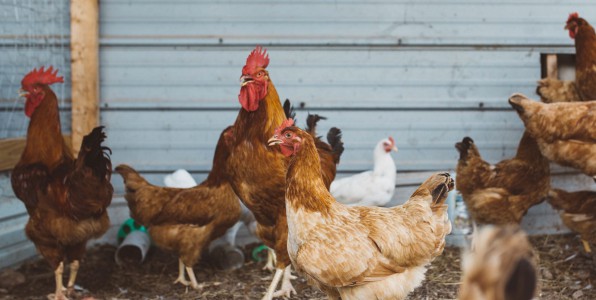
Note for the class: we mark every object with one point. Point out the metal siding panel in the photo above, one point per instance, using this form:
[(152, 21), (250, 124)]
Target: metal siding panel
[(321, 77), (323, 22)]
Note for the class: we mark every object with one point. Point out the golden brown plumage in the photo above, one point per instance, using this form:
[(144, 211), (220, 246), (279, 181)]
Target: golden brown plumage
[(584, 86), (502, 193), (66, 198), (565, 132), (330, 152), (358, 252), (578, 212), (185, 221), (502, 266), (257, 174)]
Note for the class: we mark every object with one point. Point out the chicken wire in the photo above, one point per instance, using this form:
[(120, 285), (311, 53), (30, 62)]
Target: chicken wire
[(33, 33)]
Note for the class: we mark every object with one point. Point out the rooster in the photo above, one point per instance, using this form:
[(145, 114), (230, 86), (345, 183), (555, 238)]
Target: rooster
[(502, 193), (256, 173), (185, 220), (502, 266), (584, 86), (66, 198), (565, 132), (374, 187), (358, 252)]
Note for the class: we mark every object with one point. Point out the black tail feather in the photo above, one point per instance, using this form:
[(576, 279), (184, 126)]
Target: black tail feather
[(334, 139), (311, 123), (289, 110), (95, 156)]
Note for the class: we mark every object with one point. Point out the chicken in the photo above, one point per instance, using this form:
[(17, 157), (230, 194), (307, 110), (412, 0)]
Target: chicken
[(330, 153), (256, 173), (66, 198), (584, 86), (185, 221), (578, 212), (358, 252), (374, 187), (502, 266), (502, 193), (182, 179), (565, 132)]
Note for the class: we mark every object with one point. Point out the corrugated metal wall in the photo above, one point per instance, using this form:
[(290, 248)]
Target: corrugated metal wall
[(426, 72)]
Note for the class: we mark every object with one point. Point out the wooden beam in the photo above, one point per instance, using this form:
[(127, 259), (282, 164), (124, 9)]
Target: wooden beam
[(84, 47), (11, 149), (552, 69)]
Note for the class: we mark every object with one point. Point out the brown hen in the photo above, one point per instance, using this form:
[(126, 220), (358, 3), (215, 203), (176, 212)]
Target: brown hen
[(185, 220), (502, 193)]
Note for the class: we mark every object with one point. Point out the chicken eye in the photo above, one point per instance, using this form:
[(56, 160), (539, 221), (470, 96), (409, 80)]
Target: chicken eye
[(260, 74), (288, 135)]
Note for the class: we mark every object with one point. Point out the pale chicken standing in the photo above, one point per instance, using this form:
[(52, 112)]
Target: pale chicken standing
[(375, 187)]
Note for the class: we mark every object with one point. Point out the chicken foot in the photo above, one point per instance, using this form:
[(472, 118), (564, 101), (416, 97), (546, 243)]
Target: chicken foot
[(273, 285), (286, 285), (193, 279), (181, 275), (59, 294)]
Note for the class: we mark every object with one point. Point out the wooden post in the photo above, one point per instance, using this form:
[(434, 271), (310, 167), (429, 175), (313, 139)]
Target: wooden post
[(552, 70), (84, 47)]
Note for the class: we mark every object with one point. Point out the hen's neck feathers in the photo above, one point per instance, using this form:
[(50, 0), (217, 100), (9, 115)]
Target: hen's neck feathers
[(304, 185), (383, 162), (585, 47), (44, 136), (260, 124)]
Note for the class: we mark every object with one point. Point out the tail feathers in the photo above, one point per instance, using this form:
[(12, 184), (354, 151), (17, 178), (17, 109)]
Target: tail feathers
[(311, 123), (289, 110), (337, 145), (132, 179), (95, 156)]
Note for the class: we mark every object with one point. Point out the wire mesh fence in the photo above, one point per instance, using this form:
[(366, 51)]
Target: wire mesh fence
[(33, 33)]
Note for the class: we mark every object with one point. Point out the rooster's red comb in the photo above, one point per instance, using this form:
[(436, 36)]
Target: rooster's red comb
[(392, 141), (258, 58), (572, 16), (42, 76), (285, 124)]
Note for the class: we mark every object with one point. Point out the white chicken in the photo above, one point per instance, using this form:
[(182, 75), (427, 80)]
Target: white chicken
[(370, 188)]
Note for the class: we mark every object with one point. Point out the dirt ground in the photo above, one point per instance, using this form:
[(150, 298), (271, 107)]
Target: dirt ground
[(565, 272)]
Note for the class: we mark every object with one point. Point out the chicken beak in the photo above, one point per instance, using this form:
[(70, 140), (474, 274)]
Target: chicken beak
[(23, 93), (274, 141), (245, 79), (394, 148)]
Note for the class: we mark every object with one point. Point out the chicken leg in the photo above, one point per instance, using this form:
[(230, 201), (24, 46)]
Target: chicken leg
[(193, 279), (286, 285), (587, 247), (72, 277), (181, 275), (59, 294), (271, 259), (273, 285)]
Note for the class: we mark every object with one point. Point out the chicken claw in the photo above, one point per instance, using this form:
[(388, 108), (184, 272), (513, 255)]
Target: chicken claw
[(286, 285), (181, 275)]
